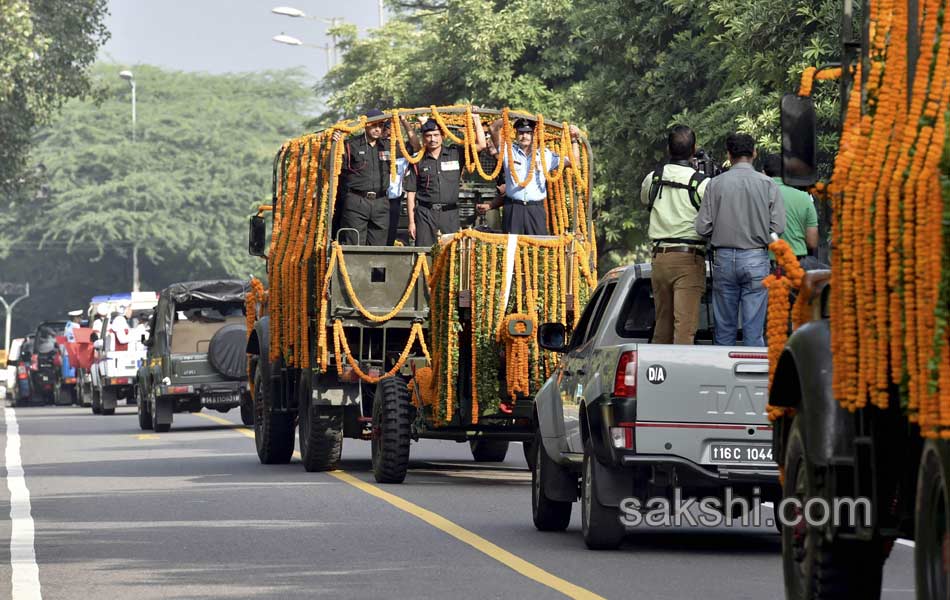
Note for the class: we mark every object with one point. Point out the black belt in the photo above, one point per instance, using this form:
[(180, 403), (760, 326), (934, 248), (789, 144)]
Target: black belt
[(368, 195), (438, 205), (689, 249), (523, 202)]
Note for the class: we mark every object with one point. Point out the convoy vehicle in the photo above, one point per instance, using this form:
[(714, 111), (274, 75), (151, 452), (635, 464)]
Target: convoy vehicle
[(116, 365), (632, 419), (195, 353), (861, 389), (340, 343), (23, 390), (46, 362)]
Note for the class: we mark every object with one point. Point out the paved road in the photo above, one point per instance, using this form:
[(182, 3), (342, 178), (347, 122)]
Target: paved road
[(121, 513)]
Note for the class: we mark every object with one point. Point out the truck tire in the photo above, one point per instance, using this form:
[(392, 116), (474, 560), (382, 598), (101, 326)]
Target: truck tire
[(392, 430), (489, 450), (145, 417), (548, 515), (96, 406), (815, 568), (273, 431), (226, 351), (321, 433), (600, 524), (932, 527)]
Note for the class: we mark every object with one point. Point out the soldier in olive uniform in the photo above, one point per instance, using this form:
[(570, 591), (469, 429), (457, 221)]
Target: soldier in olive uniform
[(432, 185), (364, 179)]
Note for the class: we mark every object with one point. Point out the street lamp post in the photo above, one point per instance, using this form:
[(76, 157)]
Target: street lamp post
[(296, 13), (292, 41), (127, 75), (9, 311)]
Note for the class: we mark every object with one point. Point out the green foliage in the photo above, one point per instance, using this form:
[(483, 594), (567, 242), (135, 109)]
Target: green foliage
[(625, 70), (46, 47), (182, 191)]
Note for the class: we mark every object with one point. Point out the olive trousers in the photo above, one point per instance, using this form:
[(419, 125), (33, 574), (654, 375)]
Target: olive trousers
[(679, 281)]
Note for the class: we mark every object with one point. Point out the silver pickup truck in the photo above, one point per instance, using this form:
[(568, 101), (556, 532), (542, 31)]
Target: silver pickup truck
[(624, 419)]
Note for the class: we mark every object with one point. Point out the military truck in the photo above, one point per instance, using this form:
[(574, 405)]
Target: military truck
[(340, 343), (861, 390), (195, 354)]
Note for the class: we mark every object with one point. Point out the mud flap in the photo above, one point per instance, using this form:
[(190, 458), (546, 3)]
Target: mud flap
[(164, 411), (109, 397), (613, 484)]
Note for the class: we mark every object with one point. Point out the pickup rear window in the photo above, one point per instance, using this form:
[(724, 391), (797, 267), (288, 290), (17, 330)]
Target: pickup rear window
[(638, 315)]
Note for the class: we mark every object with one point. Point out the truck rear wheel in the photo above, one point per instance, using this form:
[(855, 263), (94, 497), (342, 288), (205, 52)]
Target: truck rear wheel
[(392, 430), (156, 412), (548, 515), (321, 433), (815, 568), (600, 524), (932, 529), (273, 431), (107, 401), (489, 450), (96, 403)]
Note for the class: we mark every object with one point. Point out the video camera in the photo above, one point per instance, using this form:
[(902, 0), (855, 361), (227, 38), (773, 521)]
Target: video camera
[(706, 164)]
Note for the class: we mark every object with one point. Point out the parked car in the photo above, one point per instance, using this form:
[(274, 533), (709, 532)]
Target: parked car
[(629, 419), (46, 362), (196, 353)]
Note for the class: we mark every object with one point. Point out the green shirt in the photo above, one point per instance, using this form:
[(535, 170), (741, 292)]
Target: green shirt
[(800, 214), (673, 214)]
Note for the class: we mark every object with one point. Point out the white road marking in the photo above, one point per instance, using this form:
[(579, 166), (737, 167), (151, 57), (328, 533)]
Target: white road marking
[(25, 571)]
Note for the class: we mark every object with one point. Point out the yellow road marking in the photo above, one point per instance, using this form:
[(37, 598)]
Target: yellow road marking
[(222, 421), (513, 562), (147, 436)]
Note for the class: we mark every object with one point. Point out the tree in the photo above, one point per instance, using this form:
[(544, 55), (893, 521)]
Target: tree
[(182, 192), (46, 47)]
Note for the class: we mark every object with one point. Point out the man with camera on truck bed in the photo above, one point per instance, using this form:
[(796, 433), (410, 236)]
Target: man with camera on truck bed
[(673, 193)]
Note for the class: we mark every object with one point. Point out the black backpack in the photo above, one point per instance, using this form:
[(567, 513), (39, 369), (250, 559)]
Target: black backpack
[(692, 188)]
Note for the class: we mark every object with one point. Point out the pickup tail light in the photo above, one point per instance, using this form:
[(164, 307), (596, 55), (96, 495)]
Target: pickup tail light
[(622, 437), (625, 380), (34, 362), (179, 389)]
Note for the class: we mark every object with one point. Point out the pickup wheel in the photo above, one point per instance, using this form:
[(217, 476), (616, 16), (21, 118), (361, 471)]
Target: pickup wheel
[(392, 430), (600, 524), (932, 532), (321, 433), (548, 515), (273, 431), (145, 417), (815, 568), (489, 450)]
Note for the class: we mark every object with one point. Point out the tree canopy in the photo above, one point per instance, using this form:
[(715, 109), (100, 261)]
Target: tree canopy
[(182, 191), (625, 70), (46, 47)]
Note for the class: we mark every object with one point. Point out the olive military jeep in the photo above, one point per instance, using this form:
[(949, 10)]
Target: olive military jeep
[(195, 353)]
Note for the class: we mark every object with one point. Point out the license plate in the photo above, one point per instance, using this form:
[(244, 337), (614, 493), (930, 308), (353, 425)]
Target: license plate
[(741, 453), (219, 399)]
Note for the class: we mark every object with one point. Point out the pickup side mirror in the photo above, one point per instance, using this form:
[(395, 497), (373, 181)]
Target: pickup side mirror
[(799, 141), (553, 337), (257, 236)]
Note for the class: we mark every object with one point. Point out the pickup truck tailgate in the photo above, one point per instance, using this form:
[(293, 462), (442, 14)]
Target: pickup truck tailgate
[(712, 384)]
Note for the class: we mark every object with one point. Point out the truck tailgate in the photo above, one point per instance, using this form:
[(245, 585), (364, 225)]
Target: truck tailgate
[(712, 384)]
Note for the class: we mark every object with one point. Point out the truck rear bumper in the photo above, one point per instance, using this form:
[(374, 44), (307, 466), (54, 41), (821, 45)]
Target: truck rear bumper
[(687, 472)]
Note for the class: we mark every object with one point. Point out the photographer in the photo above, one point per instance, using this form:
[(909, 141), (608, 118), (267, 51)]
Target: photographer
[(673, 193)]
